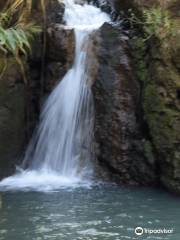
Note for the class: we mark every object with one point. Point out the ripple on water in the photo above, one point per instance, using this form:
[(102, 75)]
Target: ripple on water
[(95, 232), (78, 214)]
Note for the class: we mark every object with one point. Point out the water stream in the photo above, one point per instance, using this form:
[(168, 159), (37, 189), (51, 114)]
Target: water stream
[(60, 151)]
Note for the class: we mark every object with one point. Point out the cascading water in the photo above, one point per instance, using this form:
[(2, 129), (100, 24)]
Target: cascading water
[(60, 151)]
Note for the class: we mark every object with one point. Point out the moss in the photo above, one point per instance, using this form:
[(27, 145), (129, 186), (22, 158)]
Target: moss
[(158, 96), (148, 151), (157, 68), (139, 50)]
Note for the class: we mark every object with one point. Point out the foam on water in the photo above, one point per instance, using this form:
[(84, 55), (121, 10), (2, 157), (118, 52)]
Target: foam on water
[(44, 181), (60, 151)]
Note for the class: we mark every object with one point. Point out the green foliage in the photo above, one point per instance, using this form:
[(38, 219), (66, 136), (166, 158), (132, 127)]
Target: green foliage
[(157, 22), (139, 48), (155, 46), (16, 31), (4, 18), (154, 22), (133, 19), (16, 39)]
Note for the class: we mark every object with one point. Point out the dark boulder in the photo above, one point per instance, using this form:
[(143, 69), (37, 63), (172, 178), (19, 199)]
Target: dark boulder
[(119, 142)]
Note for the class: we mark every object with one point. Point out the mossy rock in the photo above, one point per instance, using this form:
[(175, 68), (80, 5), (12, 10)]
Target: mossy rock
[(158, 69)]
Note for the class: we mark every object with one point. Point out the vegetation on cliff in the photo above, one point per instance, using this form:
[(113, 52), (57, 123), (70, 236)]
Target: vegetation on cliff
[(156, 52), (16, 32)]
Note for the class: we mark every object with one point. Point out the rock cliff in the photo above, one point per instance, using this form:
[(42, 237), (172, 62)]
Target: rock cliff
[(119, 141), (157, 68)]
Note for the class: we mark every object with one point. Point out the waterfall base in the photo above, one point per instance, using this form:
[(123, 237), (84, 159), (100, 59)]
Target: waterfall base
[(42, 181)]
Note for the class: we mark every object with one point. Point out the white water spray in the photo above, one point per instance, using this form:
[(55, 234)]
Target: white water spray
[(60, 152)]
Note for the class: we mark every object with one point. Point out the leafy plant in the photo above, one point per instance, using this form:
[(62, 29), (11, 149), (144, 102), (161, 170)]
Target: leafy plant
[(154, 22), (157, 22), (16, 31)]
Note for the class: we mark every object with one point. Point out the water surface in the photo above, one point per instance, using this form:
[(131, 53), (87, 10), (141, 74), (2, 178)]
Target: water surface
[(97, 213)]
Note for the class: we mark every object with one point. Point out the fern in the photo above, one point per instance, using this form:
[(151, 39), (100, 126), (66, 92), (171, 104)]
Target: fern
[(16, 32), (17, 39), (157, 22), (154, 22)]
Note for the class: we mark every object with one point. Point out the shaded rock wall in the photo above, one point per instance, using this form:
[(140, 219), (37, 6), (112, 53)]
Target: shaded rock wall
[(161, 103), (59, 54), (12, 118), (162, 107), (157, 67), (119, 142)]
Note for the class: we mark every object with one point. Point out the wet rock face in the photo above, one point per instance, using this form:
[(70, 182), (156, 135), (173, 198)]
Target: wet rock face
[(118, 138), (12, 118), (55, 11), (107, 7), (60, 53), (56, 53), (103, 5)]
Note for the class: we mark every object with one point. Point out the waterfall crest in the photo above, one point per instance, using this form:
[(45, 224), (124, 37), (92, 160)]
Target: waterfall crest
[(61, 146)]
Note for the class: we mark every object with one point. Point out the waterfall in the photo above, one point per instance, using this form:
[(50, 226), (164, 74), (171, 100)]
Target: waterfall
[(60, 149)]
